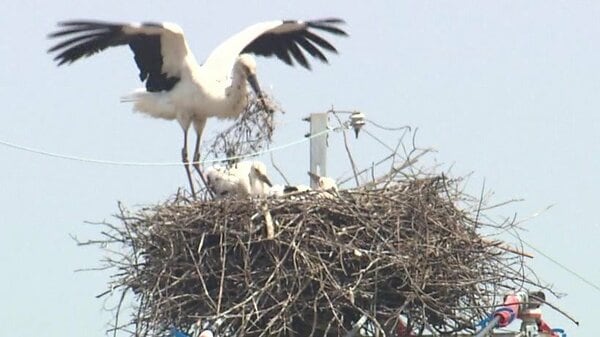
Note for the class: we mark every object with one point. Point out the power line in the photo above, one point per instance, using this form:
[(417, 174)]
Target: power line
[(562, 266), (379, 141), (389, 128), (127, 163)]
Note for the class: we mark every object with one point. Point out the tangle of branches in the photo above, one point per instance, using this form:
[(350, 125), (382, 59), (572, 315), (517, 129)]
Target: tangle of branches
[(251, 132), (399, 248)]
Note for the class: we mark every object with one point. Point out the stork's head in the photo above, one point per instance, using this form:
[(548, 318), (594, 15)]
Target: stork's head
[(258, 172), (247, 65), (327, 184)]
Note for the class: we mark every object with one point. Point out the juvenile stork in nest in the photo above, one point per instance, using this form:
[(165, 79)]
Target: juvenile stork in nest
[(247, 178), (177, 87), (323, 183)]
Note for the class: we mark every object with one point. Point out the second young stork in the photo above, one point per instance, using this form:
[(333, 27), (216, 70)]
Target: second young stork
[(176, 86), (248, 178)]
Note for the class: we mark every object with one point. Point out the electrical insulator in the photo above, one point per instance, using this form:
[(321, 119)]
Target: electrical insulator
[(357, 120)]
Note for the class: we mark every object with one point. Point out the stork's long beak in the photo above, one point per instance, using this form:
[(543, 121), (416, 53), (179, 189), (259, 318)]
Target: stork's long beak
[(254, 84), (262, 177), (313, 177)]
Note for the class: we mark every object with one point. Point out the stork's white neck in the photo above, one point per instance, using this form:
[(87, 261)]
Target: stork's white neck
[(238, 78), (237, 92)]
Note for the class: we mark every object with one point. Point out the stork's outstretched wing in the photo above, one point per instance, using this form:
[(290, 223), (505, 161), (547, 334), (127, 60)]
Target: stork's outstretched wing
[(285, 39), (159, 48)]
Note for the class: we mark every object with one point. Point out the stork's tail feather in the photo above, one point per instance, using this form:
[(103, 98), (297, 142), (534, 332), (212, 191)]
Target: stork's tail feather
[(154, 104)]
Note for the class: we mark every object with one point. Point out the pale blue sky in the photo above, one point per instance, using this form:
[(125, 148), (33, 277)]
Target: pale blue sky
[(508, 90)]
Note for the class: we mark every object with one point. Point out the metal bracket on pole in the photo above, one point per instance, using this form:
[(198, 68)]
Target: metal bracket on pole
[(318, 145)]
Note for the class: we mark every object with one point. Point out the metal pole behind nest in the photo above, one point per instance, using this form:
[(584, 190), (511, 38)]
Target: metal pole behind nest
[(318, 145)]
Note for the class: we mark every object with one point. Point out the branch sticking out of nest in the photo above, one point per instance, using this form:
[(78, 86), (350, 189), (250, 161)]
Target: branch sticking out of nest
[(403, 247)]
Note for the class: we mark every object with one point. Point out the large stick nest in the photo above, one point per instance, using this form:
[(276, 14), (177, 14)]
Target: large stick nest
[(399, 248)]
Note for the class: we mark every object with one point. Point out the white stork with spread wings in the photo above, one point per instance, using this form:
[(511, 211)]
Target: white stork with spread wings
[(179, 88)]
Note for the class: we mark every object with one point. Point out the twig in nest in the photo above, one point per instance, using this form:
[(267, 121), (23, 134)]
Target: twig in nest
[(270, 228), (502, 245)]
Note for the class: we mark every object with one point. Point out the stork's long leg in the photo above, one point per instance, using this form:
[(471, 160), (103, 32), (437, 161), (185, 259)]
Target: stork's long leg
[(196, 164), (186, 162)]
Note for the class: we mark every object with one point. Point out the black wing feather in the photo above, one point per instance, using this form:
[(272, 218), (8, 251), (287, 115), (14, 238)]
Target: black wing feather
[(311, 49), (319, 41), (85, 38), (282, 51), (289, 46), (298, 55), (328, 25)]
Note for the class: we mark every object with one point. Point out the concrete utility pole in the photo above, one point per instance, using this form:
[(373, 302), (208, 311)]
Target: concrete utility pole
[(318, 145)]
